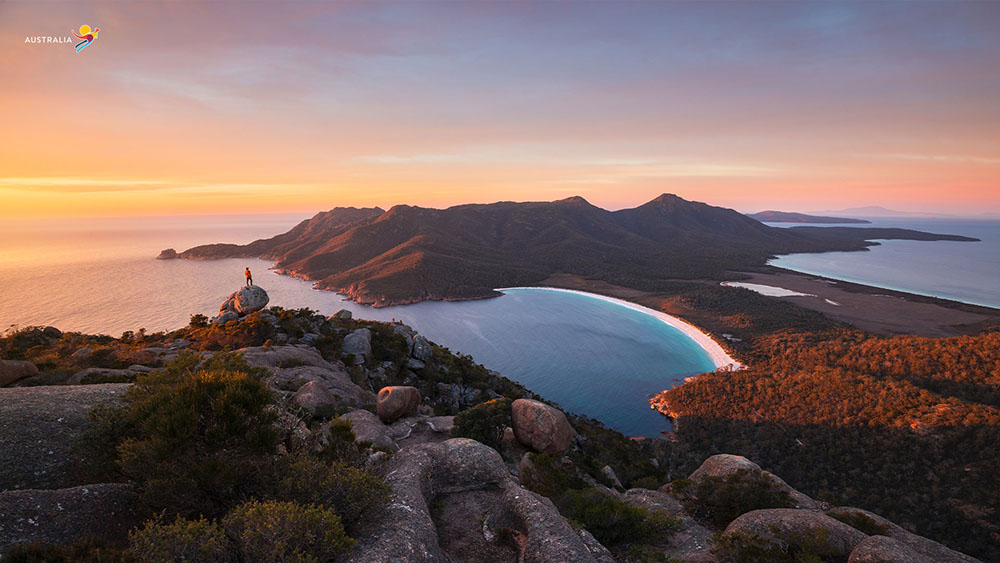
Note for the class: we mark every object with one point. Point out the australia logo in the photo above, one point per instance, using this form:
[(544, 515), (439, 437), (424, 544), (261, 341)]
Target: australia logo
[(87, 35)]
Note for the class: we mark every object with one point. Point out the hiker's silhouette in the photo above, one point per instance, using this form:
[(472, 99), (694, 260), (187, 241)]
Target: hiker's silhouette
[(249, 277)]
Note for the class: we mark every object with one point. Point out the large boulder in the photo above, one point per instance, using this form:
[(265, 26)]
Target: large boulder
[(316, 399), (358, 343), (927, 548), (882, 549), (368, 428), (14, 370), (541, 427), (346, 393), (285, 357), (246, 300), (104, 510), (396, 402), (784, 527), (451, 474), (422, 349), (724, 465), (39, 427), (342, 314)]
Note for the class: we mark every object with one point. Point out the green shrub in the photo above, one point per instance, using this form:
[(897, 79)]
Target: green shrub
[(200, 443), (346, 490), (720, 500), (484, 422), (286, 531), (614, 522), (860, 521), (548, 476), (198, 321), (184, 540), (81, 551)]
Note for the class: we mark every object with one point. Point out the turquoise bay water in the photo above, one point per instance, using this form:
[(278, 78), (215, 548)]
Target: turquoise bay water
[(590, 356), (962, 271)]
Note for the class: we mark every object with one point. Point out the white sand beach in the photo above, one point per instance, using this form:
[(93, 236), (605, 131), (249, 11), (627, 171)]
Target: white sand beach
[(768, 290), (719, 356)]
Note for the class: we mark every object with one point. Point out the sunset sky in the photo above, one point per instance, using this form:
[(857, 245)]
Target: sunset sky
[(184, 108)]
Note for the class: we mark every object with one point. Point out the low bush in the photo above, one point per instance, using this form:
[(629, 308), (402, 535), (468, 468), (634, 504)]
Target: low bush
[(183, 540), (275, 532), (719, 500), (615, 522), (484, 422), (548, 476), (346, 490)]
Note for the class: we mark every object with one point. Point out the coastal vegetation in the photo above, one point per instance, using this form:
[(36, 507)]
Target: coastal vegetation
[(904, 426)]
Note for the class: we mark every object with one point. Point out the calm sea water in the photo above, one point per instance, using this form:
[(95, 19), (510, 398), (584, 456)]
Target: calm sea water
[(962, 271), (99, 276)]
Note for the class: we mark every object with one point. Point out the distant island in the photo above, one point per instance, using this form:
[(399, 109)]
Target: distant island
[(771, 216), (409, 254)]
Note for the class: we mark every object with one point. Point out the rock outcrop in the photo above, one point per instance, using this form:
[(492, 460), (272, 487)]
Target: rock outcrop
[(724, 465), (246, 300), (39, 427), (15, 370), (358, 344), (167, 254), (541, 427), (316, 399), (397, 401), (807, 529), (882, 549), (463, 473), (104, 510), (926, 547)]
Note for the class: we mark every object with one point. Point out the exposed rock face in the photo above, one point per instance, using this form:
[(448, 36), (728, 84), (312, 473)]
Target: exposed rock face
[(927, 548), (246, 300), (367, 427), (316, 399), (167, 254), (226, 317), (343, 314), (691, 543), (104, 510), (541, 427), (14, 370), (422, 349), (406, 531), (38, 429), (279, 356), (787, 526), (345, 392), (358, 343), (882, 549), (397, 401), (723, 465)]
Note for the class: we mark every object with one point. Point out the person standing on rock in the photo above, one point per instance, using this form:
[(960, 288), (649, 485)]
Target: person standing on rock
[(249, 276)]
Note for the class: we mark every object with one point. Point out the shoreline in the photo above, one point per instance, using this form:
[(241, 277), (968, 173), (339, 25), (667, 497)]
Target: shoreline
[(719, 356)]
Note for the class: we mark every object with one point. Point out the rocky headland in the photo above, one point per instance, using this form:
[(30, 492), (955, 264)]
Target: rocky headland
[(450, 461)]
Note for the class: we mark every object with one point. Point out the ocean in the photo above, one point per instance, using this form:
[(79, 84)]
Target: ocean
[(961, 271), (588, 355)]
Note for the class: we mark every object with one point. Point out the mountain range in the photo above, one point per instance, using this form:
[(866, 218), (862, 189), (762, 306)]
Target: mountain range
[(409, 254)]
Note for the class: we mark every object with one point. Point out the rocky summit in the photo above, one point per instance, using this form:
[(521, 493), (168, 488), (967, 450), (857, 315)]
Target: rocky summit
[(242, 302), (179, 445)]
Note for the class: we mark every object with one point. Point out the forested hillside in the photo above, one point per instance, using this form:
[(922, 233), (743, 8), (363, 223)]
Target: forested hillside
[(907, 427)]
